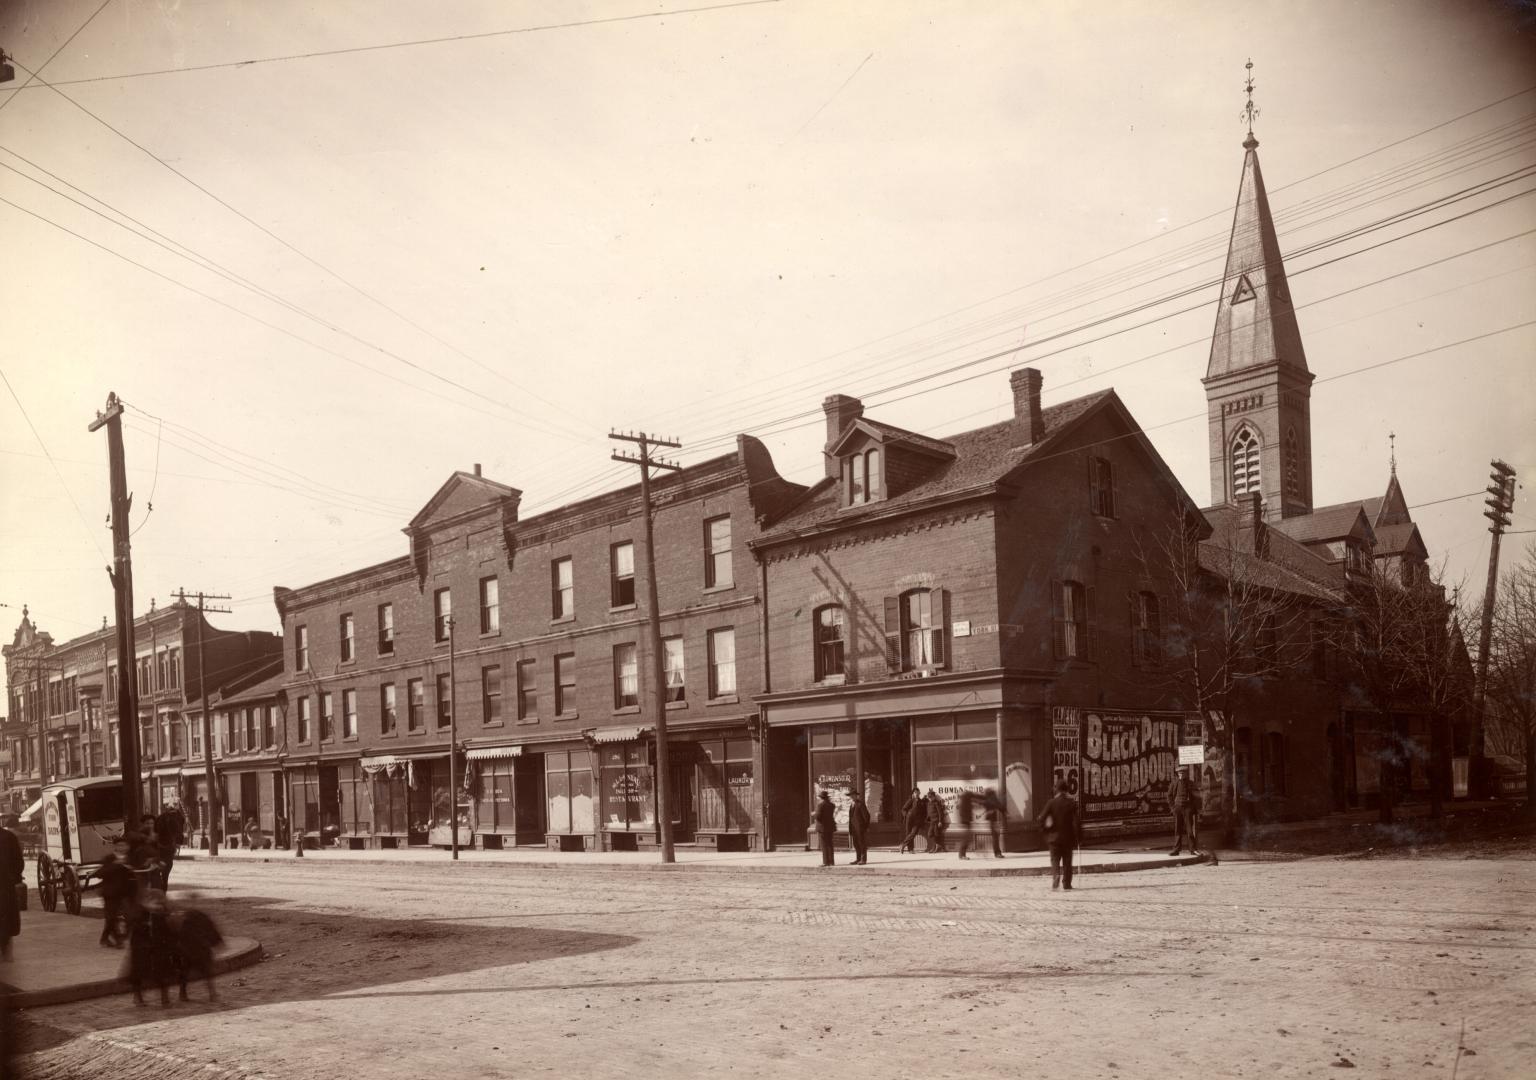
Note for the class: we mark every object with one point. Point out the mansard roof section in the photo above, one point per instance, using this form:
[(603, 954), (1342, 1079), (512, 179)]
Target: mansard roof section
[(891, 435), (1255, 319), (464, 495)]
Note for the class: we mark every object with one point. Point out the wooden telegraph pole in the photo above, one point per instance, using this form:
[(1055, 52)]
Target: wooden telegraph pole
[(1501, 504), (658, 686), (215, 807), (453, 739), (121, 573)]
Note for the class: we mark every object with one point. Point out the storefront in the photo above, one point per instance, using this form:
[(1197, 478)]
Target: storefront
[(570, 816), (507, 787), (726, 797), (398, 800)]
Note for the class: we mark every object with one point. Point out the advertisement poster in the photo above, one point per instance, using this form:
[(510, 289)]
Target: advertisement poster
[(949, 790), (838, 785), (1122, 763)]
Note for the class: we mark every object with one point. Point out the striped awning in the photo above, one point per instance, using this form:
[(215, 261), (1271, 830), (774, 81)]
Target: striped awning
[(380, 761), (617, 734), (489, 753), (34, 808), (166, 770)]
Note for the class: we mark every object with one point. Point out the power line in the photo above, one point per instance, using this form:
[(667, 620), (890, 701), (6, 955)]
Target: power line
[(56, 471), (32, 76)]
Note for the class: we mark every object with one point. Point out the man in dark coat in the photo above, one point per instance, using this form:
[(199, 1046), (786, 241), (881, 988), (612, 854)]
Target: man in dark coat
[(1184, 801), (1063, 824), (118, 887), (858, 829), (168, 839), (915, 813), (11, 869), (937, 818), (993, 810), (826, 827), (965, 812)]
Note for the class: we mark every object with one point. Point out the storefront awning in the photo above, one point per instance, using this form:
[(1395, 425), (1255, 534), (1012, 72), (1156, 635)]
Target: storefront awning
[(488, 753), (166, 770), (379, 761), (192, 770), (617, 734), (34, 808)]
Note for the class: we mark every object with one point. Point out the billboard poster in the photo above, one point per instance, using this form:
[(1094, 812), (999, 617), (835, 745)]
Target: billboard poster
[(1122, 762)]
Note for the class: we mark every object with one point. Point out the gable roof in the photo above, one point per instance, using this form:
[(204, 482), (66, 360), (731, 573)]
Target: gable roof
[(891, 435), (1400, 540), (1328, 523), (460, 494), (1286, 565)]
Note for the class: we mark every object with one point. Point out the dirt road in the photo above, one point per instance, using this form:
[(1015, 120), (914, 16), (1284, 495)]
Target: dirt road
[(1395, 968)]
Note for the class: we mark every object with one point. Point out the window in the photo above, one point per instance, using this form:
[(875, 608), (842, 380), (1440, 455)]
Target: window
[(717, 553), (301, 648), (722, 662), (251, 718), (672, 668), (873, 484), (386, 629), (387, 716), (1146, 624), (162, 678), (349, 714), (111, 687), (306, 720), (1245, 463), (562, 589), (442, 612), (175, 729), (626, 676), (490, 693), (565, 684), (327, 717), (830, 644), (1292, 463), (269, 728), (173, 664), (1101, 487), (444, 700), (1354, 558), (527, 690), (621, 562), (921, 619), (415, 706), (864, 483), (1072, 638), (348, 642), (490, 605), (195, 737), (856, 490), (1274, 764)]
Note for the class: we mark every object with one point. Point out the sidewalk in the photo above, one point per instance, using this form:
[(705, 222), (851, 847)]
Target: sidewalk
[(1015, 864), (58, 959)]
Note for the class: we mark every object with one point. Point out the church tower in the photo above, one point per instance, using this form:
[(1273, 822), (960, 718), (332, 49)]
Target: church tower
[(1257, 386)]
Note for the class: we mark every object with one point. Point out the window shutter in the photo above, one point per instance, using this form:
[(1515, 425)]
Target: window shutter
[(941, 634), (893, 633), (1058, 623), (1135, 623), (1093, 483), (1114, 493), (1093, 630)]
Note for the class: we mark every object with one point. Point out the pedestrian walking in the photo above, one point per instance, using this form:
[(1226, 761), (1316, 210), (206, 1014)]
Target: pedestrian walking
[(12, 885), (965, 812), (993, 811), (915, 813), (826, 827), (117, 892), (938, 817), (1063, 824), (1184, 800), (858, 829)]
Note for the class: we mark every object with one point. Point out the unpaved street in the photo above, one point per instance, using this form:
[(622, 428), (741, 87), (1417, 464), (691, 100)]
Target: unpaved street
[(1405, 967)]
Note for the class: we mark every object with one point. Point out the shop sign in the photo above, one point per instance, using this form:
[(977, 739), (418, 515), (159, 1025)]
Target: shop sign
[(840, 787), (51, 819), (949, 790)]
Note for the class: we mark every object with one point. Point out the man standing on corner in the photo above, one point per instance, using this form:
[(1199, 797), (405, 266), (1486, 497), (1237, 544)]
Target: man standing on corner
[(1184, 800), (826, 827), (1063, 824), (858, 828)]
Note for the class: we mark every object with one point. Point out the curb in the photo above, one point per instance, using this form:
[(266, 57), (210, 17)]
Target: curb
[(244, 953)]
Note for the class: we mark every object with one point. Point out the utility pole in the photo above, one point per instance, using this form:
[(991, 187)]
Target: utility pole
[(121, 574), (215, 808), (453, 740), (1501, 503), (647, 443)]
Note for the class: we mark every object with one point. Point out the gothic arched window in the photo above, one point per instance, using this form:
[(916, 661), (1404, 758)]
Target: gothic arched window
[(1245, 463), (1292, 464)]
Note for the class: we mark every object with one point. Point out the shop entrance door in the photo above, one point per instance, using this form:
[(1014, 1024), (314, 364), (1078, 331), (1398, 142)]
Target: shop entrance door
[(420, 805), (250, 798), (330, 805), (788, 783), (279, 811)]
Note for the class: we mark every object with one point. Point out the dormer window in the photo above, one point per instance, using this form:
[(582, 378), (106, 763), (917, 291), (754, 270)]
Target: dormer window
[(864, 481)]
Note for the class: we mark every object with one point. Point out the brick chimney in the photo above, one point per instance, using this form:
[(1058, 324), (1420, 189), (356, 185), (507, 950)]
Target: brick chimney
[(1026, 405), (477, 468), (1254, 520), (841, 411)]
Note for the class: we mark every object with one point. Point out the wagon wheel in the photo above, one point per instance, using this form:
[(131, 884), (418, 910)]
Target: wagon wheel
[(47, 891), (70, 881)]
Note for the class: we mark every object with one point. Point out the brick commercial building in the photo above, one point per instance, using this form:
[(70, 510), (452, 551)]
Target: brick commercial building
[(532, 632)]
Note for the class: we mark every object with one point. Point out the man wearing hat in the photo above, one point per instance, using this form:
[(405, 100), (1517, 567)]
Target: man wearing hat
[(1063, 824), (826, 827)]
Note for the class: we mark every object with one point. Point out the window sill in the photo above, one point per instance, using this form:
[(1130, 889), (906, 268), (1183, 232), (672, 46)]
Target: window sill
[(617, 608), (385, 654), (727, 699), (568, 715), (349, 738), (347, 663), (441, 643), (727, 587), (489, 634), (674, 705), (832, 680), (557, 620), (494, 723), (389, 734), (627, 710)]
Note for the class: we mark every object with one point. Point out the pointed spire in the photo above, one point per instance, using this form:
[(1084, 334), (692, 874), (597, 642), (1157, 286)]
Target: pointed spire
[(1255, 322), (1392, 440)]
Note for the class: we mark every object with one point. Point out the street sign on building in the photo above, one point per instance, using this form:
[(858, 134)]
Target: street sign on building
[(1192, 755)]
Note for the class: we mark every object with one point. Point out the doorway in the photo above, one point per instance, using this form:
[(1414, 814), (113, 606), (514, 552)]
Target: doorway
[(788, 783)]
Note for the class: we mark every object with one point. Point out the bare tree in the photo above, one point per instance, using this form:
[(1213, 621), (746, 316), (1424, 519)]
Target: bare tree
[(1511, 689)]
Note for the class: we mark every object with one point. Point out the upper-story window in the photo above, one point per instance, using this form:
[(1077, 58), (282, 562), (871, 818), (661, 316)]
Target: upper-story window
[(173, 669), (386, 629), (830, 643), (1072, 634), (348, 639), (111, 686), (672, 669), (1355, 560), (301, 648), (626, 676), (306, 719), (444, 700), (327, 717), (490, 605), (442, 613), (721, 645), (717, 553), (490, 693), (1245, 463), (1292, 463), (562, 589), (864, 479), (527, 690), (922, 630), (269, 728), (415, 705), (349, 714), (1146, 624), (1101, 487), (388, 717), (1266, 642), (565, 684), (621, 562)]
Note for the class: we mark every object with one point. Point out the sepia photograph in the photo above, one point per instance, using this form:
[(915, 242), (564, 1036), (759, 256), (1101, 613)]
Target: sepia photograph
[(776, 538)]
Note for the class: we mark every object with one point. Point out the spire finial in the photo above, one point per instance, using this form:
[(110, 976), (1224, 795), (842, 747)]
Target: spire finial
[(1392, 441), (1250, 110)]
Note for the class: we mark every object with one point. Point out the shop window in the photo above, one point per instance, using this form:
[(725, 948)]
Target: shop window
[(490, 605), (495, 805), (490, 693), (387, 716), (830, 642), (349, 714), (1146, 623), (527, 691), (672, 669), (386, 629), (327, 717), (391, 809), (726, 799), (565, 684), (1101, 486), (722, 662), (568, 792), (444, 700), (415, 705), (626, 676), (348, 639), (628, 797), (562, 589), (717, 553), (1073, 635), (442, 614), (621, 574)]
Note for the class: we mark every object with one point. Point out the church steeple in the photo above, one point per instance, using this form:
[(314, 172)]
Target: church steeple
[(1257, 384)]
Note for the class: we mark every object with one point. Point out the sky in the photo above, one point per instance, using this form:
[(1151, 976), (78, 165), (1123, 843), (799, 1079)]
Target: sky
[(330, 253)]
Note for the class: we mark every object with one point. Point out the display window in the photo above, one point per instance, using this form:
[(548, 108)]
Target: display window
[(629, 796), (568, 791), (727, 796)]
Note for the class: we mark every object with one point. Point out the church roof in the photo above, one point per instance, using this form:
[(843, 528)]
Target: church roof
[(1255, 321), (1397, 539), (1284, 564), (1327, 523)]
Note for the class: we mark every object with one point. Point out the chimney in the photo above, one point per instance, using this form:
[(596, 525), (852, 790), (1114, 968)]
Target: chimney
[(841, 411), (1026, 404), (1255, 521), (477, 468)]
